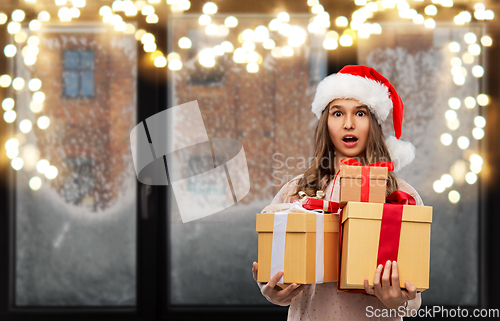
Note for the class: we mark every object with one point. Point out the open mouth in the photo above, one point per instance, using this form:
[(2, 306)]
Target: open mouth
[(350, 139)]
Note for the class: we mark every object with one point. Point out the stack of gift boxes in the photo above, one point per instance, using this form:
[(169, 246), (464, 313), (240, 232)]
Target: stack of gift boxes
[(346, 247)]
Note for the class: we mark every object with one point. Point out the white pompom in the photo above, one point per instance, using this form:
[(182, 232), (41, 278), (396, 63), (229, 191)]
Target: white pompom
[(402, 153)]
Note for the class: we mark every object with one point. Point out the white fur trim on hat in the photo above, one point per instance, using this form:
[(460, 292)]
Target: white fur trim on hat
[(367, 91), (402, 153)]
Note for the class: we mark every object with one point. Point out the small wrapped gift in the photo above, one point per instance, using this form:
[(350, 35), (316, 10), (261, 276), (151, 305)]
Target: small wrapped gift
[(371, 234), (317, 203), (363, 183), (301, 243)]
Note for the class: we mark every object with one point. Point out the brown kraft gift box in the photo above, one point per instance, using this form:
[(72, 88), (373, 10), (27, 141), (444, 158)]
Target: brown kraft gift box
[(350, 184), (361, 225), (300, 247)]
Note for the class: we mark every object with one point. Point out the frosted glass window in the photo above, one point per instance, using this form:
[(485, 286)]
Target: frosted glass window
[(75, 234)]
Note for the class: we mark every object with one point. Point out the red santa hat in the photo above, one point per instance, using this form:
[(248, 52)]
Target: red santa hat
[(370, 88)]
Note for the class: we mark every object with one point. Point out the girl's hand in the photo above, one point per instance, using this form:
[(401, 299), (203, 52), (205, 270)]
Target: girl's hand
[(273, 292), (391, 295)]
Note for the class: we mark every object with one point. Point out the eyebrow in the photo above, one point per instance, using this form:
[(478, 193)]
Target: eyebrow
[(340, 107)]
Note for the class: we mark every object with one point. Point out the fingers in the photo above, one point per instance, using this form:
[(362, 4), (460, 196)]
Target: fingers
[(395, 274), (386, 276), (255, 268), (368, 289), (412, 290), (275, 279), (294, 293), (376, 279)]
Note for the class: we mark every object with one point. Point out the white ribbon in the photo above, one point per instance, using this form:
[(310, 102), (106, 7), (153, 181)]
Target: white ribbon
[(279, 237), (320, 247)]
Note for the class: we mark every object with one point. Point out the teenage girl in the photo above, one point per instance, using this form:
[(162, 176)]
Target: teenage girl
[(351, 106)]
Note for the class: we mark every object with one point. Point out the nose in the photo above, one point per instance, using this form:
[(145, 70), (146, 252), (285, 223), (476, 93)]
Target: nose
[(349, 122)]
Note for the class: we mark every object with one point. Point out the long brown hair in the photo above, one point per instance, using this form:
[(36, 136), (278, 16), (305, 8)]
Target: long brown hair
[(322, 169)]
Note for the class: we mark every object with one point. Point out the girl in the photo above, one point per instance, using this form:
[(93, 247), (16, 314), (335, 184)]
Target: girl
[(350, 105)]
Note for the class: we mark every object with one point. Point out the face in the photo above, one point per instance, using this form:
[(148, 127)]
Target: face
[(348, 125)]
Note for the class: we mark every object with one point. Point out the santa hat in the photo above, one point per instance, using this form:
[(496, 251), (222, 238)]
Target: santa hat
[(370, 88)]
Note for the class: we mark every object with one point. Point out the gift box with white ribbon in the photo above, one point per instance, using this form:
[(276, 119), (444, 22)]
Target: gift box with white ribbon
[(301, 243)]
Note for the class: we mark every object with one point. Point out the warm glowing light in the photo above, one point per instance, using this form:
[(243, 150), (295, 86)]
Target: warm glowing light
[(12, 143), (18, 15), (231, 22), (12, 153), (470, 38), (149, 47), (147, 10), (204, 20), (252, 67), (474, 49), (454, 103), (13, 27), (438, 186), (463, 142), (480, 121), (42, 165), (3, 18), (25, 126), (477, 71), (185, 43), (429, 23), (269, 44), (467, 58), (261, 34), (274, 25), (152, 18), (147, 38), (450, 115), (43, 122), (446, 139), (341, 21), (454, 46), (248, 46), (470, 178), (330, 44), (17, 163), (35, 107), (44, 16), (51, 172), (454, 197), (38, 97), (470, 102), (175, 64), (228, 46), (447, 180), (35, 183), (5, 81), (209, 8), (8, 104), (345, 40), (18, 83), (478, 133), (211, 29), (431, 10), (453, 125), (9, 116), (283, 17), (160, 62), (486, 41), (35, 25), (483, 100)]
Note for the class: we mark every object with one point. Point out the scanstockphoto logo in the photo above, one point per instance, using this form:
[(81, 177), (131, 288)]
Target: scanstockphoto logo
[(207, 175)]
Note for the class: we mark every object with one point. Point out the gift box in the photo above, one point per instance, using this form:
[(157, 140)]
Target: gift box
[(304, 245), (363, 183), (373, 233)]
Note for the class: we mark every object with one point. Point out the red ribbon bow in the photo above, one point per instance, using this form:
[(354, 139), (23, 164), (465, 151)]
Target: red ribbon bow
[(365, 174)]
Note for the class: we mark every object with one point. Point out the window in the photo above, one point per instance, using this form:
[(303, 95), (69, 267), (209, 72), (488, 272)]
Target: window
[(78, 188), (78, 74)]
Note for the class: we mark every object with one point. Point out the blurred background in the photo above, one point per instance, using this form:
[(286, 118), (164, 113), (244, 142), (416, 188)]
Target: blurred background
[(82, 239)]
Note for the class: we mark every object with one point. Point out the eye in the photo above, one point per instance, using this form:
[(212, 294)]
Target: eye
[(361, 113), (337, 113)]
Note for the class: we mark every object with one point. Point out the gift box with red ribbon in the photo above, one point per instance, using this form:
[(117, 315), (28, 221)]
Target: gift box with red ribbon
[(372, 233), (363, 183)]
